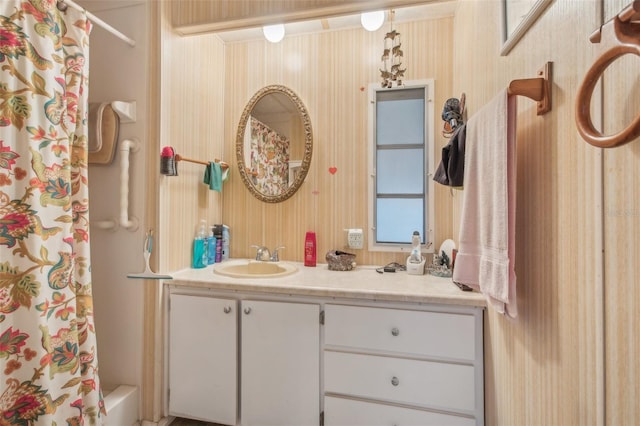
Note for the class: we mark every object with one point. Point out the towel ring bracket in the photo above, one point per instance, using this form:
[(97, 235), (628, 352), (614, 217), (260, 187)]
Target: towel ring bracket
[(619, 36)]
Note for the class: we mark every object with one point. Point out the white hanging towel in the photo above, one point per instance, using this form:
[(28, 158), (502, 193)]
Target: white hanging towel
[(486, 255)]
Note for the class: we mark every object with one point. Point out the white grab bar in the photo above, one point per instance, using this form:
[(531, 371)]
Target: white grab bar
[(126, 147), (107, 225), (130, 223)]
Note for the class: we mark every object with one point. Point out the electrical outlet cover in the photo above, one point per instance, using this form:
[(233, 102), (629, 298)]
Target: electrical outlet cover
[(355, 238)]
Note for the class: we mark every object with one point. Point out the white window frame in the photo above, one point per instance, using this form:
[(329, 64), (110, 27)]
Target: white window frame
[(429, 133)]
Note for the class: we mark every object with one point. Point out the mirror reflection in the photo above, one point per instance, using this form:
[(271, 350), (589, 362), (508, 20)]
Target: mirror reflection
[(274, 144)]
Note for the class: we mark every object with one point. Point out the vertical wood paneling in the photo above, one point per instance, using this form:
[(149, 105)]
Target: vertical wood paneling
[(193, 124), (197, 16), (622, 234), (186, 12), (543, 367), (330, 72)]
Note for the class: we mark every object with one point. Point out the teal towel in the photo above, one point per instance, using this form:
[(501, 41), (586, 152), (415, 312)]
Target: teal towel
[(213, 176)]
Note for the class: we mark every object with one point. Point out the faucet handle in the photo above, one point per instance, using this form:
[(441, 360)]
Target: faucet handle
[(262, 253), (274, 256)]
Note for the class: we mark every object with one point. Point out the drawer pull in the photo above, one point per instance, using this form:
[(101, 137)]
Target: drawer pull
[(395, 331), (227, 309), (395, 381), (247, 311)]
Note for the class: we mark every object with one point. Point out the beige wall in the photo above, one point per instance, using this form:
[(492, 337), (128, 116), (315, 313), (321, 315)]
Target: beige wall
[(192, 122), (542, 367), (550, 366), (330, 72), (621, 206), (547, 366), (200, 71)]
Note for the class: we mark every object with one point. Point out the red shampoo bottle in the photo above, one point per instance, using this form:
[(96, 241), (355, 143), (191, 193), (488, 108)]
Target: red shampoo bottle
[(310, 249)]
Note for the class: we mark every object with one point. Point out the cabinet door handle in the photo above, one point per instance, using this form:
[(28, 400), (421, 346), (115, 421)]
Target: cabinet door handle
[(247, 310), (227, 309), (395, 331), (395, 381)]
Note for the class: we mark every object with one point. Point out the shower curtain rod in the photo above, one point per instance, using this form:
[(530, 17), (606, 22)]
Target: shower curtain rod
[(131, 42)]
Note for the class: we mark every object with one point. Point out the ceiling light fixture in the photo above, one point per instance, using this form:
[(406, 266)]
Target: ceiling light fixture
[(273, 33), (372, 21)]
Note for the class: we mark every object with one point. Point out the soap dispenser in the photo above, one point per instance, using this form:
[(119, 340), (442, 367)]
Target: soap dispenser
[(200, 246), (415, 261), (211, 248)]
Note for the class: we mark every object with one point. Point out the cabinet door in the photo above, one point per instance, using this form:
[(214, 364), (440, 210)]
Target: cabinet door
[(280, 368), (203, 358)]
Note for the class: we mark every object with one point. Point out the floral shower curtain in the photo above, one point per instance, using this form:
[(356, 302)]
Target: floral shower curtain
[(269, 159), (48, 363)]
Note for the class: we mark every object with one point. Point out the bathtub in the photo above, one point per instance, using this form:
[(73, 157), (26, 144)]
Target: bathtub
[(122, 405)]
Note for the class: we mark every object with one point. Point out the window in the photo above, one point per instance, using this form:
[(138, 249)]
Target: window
[(400, 165)]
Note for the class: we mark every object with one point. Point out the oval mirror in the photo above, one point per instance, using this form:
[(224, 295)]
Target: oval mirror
[(274, 144)]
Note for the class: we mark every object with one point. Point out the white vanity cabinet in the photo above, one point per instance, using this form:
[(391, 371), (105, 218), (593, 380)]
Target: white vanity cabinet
[(315, 349), (400, 366), (274, 367), (203, 349)]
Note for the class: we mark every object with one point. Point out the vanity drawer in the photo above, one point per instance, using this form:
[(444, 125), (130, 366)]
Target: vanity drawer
[(430, 384), (434, 334), (350, 412)]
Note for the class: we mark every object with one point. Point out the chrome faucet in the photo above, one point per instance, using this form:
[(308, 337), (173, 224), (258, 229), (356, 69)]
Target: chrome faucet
[(274, 256), (263, 254)]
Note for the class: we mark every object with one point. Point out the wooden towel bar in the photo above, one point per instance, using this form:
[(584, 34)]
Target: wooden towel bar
[(538, 89), (179, 157)]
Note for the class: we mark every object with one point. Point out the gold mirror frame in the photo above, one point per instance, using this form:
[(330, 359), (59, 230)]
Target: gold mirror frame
[(308, 144)]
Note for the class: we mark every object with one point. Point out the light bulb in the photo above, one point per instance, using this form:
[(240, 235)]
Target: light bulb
[(273, 33), (371, 21)]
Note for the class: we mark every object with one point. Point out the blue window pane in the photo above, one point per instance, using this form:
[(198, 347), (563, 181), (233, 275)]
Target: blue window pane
[(397, 218), (400, 122), (400, 171)]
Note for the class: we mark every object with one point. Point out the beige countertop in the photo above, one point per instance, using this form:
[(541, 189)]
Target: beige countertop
[(361, 283)]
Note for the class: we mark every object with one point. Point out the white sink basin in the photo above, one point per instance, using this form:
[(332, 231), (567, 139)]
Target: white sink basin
[(254, 269)]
